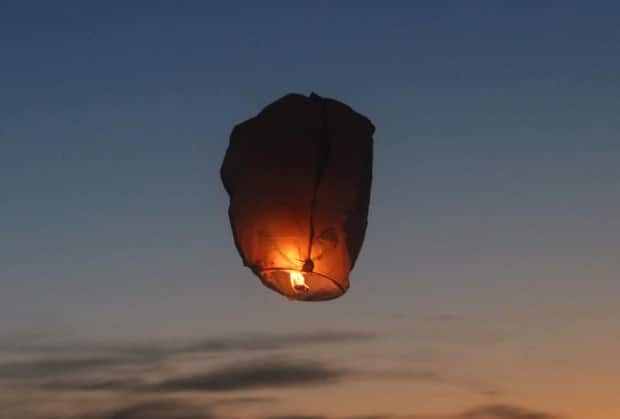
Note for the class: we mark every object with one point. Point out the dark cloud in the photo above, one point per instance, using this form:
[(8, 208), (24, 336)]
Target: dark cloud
[(501, 411), (297, 417), (257, 374), (51, 368), (268, 373), (94, 384), (162, 350), (167, 409), (496, 411), (151, 409), (92, 366), (373, 417)]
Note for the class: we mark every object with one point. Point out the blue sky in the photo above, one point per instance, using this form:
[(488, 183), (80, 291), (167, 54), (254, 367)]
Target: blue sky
[(495, 195)]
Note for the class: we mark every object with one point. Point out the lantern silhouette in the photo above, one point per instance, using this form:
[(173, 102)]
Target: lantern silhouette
[(299, 176)]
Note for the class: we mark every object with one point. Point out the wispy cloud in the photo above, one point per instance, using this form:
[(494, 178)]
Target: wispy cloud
[(242, 375), (297, 417), (134, 371), (494, 411), (372, 417), (258, 374), (167, 409), (55, 362), (255, 375), (131, 373), (491, 411), (502, 411), (246, 342), (96, 383), (51, 368), (170, 408)]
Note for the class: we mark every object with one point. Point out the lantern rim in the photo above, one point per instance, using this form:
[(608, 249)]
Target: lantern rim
[(328, 288)]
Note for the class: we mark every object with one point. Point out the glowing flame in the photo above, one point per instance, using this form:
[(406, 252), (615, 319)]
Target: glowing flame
[(298, 282)]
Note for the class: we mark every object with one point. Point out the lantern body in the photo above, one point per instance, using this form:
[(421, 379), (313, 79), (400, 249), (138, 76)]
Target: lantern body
[(299, 176)]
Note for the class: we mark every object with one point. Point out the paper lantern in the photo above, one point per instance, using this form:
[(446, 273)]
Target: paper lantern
[(299, 175)]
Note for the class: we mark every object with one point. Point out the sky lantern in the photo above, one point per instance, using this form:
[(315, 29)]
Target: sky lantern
[(299, 175)]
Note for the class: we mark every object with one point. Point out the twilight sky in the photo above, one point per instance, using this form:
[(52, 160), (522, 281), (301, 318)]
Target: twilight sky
[(487, 287)]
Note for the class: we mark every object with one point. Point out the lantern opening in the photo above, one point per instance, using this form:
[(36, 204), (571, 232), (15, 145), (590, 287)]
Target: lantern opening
[(303, 286)]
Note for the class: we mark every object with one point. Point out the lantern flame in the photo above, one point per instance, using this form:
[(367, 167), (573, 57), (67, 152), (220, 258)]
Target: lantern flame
[(298, 282)]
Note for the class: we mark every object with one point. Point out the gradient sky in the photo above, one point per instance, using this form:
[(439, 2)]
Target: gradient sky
[(487, 287)]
